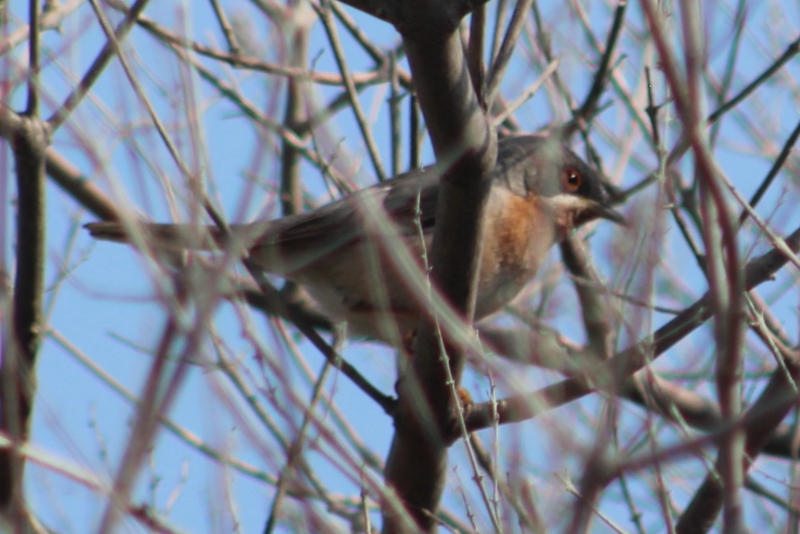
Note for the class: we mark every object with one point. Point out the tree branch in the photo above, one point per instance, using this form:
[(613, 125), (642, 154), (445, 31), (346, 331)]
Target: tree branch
[(624, 364)]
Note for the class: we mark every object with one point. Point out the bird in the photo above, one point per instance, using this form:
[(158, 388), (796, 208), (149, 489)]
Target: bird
[(539, 191)]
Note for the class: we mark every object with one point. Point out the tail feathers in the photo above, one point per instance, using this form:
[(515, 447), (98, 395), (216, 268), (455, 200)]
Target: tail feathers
[(164, 235)]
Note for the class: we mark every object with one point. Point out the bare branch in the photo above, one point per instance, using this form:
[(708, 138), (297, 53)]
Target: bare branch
[(627, 362), (366, 134), (504, 55), (97, 66)]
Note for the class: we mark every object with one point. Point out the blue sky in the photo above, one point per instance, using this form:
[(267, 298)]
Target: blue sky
[(105, 296)]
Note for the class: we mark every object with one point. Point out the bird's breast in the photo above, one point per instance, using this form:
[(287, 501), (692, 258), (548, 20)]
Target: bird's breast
[(518, 234)]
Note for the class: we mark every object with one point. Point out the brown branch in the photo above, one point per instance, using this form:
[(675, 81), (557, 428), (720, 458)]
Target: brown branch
[(17, 374), (594, 311), (159, 391), (415, 134), (791, 50), (287, 310), (227, 29), (773, 171), (547, 349), (291, 193), (587, 110), (80, 188), (465, 148), (325, 15), (627, 362), (718, 228), (789, 53), (29, 141), (771, 407), (97, 66), (394, 115), (419, 18), (172, 39), (500, 62), (34, 42), (50, 19), (477, 69)]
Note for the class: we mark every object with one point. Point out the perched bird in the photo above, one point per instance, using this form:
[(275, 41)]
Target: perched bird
[(540, 190)]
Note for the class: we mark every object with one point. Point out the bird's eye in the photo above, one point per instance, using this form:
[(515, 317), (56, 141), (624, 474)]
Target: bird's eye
[(571, 179)]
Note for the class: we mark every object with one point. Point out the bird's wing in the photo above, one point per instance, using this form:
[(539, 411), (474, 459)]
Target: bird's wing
[(284, 245), (287, 244)]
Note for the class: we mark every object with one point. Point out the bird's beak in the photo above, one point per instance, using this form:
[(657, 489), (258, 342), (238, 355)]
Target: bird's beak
[(604, 211)]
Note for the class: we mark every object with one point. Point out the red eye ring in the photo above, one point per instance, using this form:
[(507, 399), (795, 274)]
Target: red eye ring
[(571, 179)]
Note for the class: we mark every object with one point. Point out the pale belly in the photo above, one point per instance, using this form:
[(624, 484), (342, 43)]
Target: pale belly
[(376, 299)]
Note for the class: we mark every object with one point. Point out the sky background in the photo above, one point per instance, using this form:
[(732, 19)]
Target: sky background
[(103, 302)]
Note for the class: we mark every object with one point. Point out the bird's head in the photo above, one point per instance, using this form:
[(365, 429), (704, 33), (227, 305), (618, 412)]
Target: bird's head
[(566, 186)]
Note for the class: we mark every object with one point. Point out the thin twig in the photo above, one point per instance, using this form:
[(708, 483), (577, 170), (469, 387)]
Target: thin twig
[(789, 53), (526, 94), (325, 16), (161, 386), (384, 401), (500, 62), (627, 362), (773, 172), (160, 128), (50, 19), (394, 115), (29, 140), (652, 110), (252, 112), (727, 77), (295, 449), (98, 65), (475, 64), (415, 133), (497, 33), (227, 29), (34, 41), (599, 82), (245, 62), (524, 516), (791, 50)]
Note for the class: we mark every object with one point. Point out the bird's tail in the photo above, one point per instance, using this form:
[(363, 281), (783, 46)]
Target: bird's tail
[(162, 235)]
